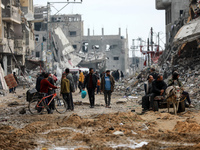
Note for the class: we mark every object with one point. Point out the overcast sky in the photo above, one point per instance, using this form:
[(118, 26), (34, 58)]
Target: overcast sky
[(138, 16)]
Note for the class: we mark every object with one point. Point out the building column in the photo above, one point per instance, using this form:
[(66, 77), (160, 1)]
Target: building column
[(5, 65)]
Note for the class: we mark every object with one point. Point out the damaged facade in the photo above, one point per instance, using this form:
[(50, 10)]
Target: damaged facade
[(100, 52), (16, 33)]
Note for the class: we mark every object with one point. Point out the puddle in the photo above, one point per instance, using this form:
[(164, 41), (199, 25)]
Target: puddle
[(64, 128), (63, 148), (132, 145)]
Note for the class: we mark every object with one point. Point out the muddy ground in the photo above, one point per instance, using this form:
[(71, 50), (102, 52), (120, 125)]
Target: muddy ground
[(86, 128)]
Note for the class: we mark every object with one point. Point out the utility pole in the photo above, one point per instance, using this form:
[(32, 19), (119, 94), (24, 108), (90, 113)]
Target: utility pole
[(148, 52), (158, 41), (151, 39)]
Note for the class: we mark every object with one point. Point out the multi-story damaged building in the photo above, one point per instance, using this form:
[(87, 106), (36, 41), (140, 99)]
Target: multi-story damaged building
[(183, 51), (174, 11), (100, 52), (114, 48), (14, 34)]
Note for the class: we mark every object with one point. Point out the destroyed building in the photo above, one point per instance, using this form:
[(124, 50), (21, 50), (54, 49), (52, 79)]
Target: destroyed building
[(97, 51), (183, 52), (16, 33)]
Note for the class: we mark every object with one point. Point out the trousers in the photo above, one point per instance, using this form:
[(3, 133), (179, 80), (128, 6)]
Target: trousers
[(107, 97), (91, 96)]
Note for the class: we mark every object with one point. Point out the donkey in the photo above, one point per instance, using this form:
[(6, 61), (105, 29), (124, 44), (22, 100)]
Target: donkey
[(173, 94)]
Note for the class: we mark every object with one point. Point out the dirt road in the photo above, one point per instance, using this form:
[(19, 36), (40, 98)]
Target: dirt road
[(120, 127)]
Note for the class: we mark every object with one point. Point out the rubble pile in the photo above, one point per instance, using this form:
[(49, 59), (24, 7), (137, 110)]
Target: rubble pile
[(133, 85)]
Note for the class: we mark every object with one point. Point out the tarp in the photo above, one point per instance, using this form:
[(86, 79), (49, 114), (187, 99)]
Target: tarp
[(2, 80), (188, 32)]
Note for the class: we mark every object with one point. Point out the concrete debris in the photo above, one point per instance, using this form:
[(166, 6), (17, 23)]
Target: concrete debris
[(118, 133)]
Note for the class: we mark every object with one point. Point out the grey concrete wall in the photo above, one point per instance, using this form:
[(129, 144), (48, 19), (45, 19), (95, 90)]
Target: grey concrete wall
[(118, 49)]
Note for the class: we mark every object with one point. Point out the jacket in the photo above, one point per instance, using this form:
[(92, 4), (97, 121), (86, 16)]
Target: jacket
[(70, 78), (44, 86), (39, 79), (81, 77), (65, 86), (158, 85), (87, 80), (50, 79), (148, 88), (112, 82)]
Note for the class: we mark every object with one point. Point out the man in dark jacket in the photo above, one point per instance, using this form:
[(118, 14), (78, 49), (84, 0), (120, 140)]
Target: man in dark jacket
[(107, 86), (90, 83), (39, 79), (159, 86), (148, 94)]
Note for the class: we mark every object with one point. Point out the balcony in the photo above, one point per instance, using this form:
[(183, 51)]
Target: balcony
[(11, 14), (162, 4)]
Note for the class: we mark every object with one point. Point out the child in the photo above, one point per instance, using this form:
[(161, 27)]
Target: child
[(98, 86)]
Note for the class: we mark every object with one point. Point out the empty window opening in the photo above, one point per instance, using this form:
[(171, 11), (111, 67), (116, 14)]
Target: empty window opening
[(85, 47), (107, 47), (74, 46), (36, 37), (72, 33), (116, 58), (37, 54), (95, 46)]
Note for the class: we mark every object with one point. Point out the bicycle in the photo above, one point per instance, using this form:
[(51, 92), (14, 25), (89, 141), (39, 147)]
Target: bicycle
[(37, 104)]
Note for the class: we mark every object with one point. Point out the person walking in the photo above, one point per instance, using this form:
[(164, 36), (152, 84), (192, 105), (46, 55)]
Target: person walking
[(81, 80), (107, 86), (14, 74), (70, 78), (75, 78), (98, 86), (66, 89), (90, 83)]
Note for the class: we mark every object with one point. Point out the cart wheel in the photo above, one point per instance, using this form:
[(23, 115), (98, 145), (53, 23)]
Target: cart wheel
[(181, 107), (155, 105)]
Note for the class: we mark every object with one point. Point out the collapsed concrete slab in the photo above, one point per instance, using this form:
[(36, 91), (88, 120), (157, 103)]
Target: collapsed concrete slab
[(188, 33)]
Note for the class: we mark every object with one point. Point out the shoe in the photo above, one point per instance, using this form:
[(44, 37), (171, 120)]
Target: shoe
[(106, 106), (191, 106), (109, 106)]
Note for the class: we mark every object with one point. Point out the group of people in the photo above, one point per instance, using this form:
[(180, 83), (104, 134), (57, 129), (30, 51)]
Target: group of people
[(69, 82), (155, 86)]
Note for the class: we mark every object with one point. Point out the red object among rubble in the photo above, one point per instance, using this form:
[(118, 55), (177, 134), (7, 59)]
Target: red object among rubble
[(154, 54), (10, 81)]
